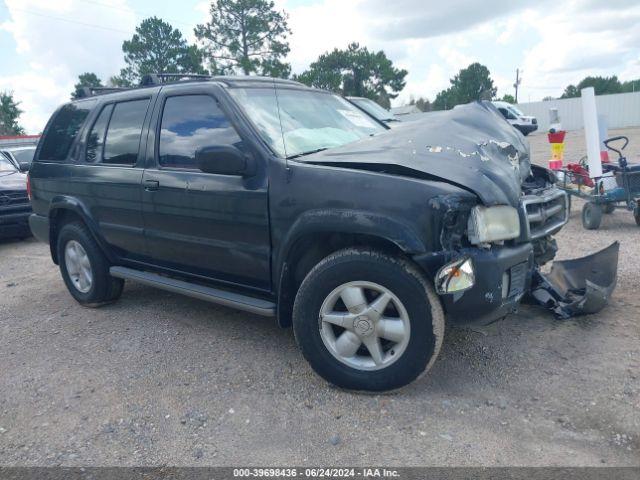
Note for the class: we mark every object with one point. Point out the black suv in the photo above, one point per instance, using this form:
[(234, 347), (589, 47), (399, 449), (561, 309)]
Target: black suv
[(278, 199)]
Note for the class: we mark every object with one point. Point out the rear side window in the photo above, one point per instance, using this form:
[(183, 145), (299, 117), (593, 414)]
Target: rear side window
[(122, 141), (95, 140), (63, 130), (190, 122)]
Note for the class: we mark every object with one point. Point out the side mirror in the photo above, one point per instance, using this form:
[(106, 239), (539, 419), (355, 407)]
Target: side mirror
[(24, 166), (225, 160)]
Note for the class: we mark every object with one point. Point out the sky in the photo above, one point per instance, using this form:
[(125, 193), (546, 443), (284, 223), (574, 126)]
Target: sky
[(46, 44)]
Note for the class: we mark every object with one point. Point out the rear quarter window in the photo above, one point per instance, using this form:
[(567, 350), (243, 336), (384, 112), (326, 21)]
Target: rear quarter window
[(63, 129), (122, 141)]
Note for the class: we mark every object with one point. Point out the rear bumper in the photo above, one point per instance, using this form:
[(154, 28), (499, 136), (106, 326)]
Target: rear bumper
[(502, 277), (39, 227)]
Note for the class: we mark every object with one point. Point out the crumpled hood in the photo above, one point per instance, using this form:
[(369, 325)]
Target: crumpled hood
[(471, 146)]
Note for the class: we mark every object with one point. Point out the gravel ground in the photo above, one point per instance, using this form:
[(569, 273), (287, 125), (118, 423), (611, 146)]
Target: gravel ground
[(159, 379)]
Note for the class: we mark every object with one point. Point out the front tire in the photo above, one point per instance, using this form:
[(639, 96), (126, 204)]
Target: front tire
[(84, 268), (369, 321)]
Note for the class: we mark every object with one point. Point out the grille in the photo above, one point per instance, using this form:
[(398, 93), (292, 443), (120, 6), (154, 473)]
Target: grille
[(518, 279), (12, 198), (542, 215)]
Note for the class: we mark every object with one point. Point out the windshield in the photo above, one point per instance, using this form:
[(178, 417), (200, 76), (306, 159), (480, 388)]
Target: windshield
[(515, 111), (24, 154), (373, 109), (306, 121), (6, 165)]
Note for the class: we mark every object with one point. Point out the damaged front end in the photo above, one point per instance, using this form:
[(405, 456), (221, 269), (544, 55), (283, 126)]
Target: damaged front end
[(504, 229), (482, 282)]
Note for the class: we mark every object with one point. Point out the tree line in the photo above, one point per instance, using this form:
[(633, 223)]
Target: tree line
[(248, 37), (251, 37)]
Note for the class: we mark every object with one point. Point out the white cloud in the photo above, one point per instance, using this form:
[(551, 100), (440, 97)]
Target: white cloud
[(59, 42), (575, 43), (323, 26), (554, 43)]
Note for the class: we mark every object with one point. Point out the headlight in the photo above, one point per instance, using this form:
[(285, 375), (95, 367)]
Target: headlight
[(492, 224)]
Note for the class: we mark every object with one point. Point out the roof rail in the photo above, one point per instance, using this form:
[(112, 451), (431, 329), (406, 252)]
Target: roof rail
[(93, 91), (160, 78)]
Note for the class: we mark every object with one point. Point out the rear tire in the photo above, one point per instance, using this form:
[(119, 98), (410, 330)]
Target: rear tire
[(636, 215), (361, 348), (84, 268), (591, 216)]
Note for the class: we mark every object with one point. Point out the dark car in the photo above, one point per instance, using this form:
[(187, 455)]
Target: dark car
[(14, 202), (286, 201)]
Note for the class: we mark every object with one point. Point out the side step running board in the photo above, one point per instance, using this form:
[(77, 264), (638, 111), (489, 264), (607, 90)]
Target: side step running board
[(214, 295)]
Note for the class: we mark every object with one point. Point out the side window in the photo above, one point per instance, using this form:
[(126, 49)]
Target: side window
[(190, 122), (504, 112), (63, 130), (122, 141), (95, 140)]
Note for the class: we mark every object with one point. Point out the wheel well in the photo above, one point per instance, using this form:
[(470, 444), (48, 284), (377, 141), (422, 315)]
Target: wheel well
[(308, 251), (58, 219)]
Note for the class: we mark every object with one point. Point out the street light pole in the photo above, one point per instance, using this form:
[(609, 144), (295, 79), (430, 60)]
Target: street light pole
[(517, 84)]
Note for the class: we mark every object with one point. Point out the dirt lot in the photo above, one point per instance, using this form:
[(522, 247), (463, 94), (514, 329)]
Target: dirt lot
[(159, 379)]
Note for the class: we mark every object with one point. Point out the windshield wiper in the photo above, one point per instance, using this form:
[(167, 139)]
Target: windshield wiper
[(307, 153)]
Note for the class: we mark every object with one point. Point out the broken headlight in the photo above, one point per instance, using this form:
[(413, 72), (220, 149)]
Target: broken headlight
[(493, 224), (455, 277)]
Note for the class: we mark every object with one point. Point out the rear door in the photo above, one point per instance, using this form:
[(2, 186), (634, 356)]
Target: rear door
[(202, 224), (108, 174)]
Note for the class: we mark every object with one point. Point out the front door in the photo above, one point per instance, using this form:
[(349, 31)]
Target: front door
[(202, 224)]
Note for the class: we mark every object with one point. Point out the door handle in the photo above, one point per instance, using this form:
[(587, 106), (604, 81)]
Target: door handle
[(151, 185)]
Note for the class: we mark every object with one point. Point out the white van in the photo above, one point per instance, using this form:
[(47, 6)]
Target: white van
[(526, 124)]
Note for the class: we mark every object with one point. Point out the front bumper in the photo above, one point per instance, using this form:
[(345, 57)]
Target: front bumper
[(502, 277), (579, 286), (14, 224), (527, 128)]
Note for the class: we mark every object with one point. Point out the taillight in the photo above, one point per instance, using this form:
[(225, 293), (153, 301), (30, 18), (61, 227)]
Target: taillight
[(29, 186)]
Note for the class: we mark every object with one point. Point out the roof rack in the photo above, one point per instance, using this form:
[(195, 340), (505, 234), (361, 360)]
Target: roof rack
[(93, 91), (160, 78), (154, 79)]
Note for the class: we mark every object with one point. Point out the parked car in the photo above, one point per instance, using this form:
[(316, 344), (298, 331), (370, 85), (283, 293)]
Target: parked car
[(20, 156), (525, 123), (14, 202), (371, 108), (286, 201)]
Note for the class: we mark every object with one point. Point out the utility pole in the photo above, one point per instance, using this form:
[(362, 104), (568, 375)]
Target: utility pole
[(517, 84)]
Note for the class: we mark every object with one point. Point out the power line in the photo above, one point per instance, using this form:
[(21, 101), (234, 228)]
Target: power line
[(91, 25), (138, 12), (51, 17)]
